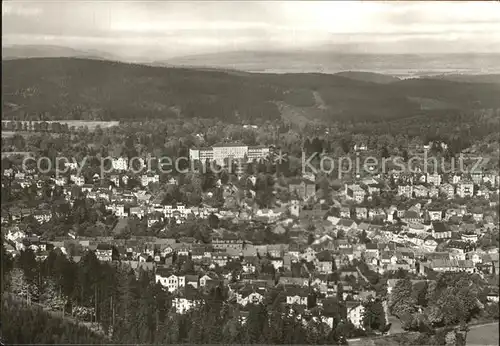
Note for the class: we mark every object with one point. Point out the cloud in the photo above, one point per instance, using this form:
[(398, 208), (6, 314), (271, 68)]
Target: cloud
[(193, 26), (20, 10)]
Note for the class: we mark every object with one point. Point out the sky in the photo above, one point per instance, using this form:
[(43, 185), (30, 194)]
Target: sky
[(162, 29)]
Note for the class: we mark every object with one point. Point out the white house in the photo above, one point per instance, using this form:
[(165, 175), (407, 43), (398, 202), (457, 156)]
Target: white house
[(184, 304), (120, 164), (171, 282), (355, 314)]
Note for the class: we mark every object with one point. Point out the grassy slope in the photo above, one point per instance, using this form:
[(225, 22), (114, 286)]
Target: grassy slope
[(483, 335), (115, 91)]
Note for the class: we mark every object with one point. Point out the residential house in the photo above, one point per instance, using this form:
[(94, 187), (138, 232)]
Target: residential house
[(361, 213), (465, 189), (288, 281), (447, 190), (434, 179), (420, 191), (345, 212), (440, 231), (435, 214), (346, 225), (119, 164), (42, 216), (377, 214), (405, 190), (192, 280), (186, 300), (303, 188), (220, 259), (355, 312), (355, 192), (77, 179), (171, 282), (412, 216), (294, 208), (372, 250), (296, 295), (147, 179), (477, 214), (206, 279), (324, 263), (249, 264)]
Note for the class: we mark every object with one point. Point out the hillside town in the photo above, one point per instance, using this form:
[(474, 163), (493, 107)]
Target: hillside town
[(312, 246)]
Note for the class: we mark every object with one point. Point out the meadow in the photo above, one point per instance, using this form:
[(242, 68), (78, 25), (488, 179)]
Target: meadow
[(90, 124), (485, 335)]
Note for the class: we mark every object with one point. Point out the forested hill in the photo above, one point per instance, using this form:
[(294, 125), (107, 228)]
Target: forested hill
[(72, 88)]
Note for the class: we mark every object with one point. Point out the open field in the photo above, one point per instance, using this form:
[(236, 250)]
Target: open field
[(91, 125), (8, 134), (15, 153), (483, 335)]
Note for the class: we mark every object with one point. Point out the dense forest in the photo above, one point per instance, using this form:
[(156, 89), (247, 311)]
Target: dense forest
[(69, 88)]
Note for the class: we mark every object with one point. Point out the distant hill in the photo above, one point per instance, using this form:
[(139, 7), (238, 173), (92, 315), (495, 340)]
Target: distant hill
[(368, 77), (482, 78), (332, 61), (86, 89), (43, 51)]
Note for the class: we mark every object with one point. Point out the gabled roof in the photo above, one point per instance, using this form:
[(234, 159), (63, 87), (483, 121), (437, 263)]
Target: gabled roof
[(293, 290), (345, 222), (439, 227), (324, 256)]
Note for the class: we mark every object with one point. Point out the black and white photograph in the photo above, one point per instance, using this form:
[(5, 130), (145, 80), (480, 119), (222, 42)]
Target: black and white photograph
[(250, 172)]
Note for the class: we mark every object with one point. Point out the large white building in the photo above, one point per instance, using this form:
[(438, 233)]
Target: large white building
[(219, 153)]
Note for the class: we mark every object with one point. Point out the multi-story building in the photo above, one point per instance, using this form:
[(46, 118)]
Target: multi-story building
[(147, 179), (303, 188), (221, 153), (465, 189), (257, 153), (296, 295), (220, 243), (435, 215), (361, 213), (60, 181), (120, 164), (455, 179), (405, 190), (447, 190), (434, 179), (491, 178), (420, 191), (224, 152), (477, 177), (355, 192), (186, 300), (104, 252), (77, 179), (117, 209), (171, 282), (42, 216), (355, 312), (201, 154), (433, 192), (440, 231)]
